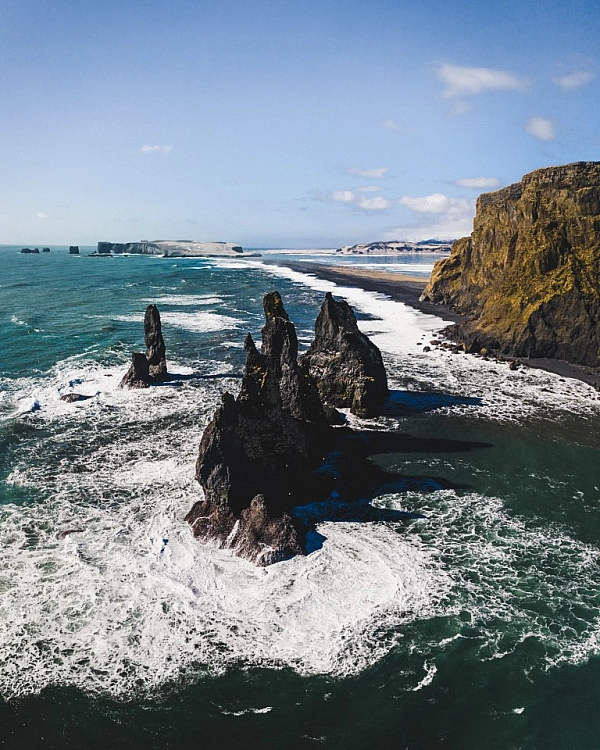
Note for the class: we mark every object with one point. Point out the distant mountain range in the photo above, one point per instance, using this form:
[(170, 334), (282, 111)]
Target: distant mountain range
[(395, 246)]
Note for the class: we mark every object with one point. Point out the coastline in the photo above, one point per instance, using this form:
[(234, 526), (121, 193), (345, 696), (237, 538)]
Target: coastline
[(407, 289), (399, 287)]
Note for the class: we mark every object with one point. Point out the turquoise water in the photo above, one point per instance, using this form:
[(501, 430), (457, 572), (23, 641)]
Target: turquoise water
[(475, 624)]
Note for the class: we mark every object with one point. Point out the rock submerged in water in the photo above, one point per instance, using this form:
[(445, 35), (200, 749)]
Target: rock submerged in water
[(151, 367), (529, 274), (345, 364)]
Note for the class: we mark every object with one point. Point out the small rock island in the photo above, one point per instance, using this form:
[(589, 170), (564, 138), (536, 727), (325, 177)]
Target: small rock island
[(149, 368), (258, 454), (528, 277)]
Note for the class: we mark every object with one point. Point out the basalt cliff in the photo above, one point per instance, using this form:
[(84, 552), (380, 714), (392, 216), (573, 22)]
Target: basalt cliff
[(528, 277)]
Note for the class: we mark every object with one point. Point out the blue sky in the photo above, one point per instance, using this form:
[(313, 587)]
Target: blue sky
[(312, 123)]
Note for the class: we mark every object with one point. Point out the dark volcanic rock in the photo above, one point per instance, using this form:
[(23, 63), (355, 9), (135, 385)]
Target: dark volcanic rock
[(74, 249), (344, 363), (258, 450), (529, 274), (155, 345), (71, 398), (138, 375), (32, 251), (149, 368)]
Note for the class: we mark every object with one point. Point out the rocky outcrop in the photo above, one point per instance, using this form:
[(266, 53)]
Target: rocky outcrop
[(529, 274), (32, 251), (74, 250), (151, 367), (257, 452), (72, 398), (171, 248), (345, 364)]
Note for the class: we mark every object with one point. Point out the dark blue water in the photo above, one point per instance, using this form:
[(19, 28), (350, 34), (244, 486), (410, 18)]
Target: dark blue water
[(473, 624)]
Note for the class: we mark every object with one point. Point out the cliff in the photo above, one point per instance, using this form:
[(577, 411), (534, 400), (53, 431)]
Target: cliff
[(171, 248), (529, 274)]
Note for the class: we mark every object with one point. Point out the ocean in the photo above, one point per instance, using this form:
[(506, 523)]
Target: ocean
[(473, 624)]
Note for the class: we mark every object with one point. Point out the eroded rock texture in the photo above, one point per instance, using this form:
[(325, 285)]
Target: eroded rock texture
[(529, 274), (345, 364), (151, 367), (257, 453)]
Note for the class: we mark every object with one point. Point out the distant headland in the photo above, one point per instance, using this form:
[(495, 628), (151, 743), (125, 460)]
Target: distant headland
[(395, 246), (172, 248)]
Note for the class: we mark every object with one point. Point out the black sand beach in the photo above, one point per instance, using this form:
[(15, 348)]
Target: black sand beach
[(408, 289)]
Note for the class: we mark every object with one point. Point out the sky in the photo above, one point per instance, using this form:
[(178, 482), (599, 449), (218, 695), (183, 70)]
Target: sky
[(283, 123)]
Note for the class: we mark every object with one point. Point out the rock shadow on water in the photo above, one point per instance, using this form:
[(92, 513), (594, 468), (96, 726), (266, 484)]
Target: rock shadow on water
[(348, 481), (402, 403)]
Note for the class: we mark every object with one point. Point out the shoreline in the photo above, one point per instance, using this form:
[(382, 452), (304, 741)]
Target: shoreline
[(407, 289), (400, 287)]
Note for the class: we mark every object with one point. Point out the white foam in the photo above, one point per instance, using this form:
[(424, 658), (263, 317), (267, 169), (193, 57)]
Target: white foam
[(127, 600), (515, 579), (186, 299), (200, 322)]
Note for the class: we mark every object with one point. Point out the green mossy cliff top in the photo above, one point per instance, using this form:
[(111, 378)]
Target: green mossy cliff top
[(529, 274)]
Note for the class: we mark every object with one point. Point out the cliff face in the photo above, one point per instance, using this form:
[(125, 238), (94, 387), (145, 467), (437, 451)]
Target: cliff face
[(529, 274), (169, 248)]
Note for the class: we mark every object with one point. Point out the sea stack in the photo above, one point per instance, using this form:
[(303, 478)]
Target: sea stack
[(529, 274), (257, 453), (345, 364), (151, 367)]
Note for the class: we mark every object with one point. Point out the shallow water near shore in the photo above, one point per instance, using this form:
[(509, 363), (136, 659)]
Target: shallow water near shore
[(473, 621)]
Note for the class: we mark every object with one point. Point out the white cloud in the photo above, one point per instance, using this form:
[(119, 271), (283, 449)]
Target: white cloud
[(438, 204), (147, 149), (376, 172), (440, 227), (343, 196), (390, 124), (462, 81), (439, 216), (541, 128), (369, 189), (479, 183), (377, 203), (574, 80), (41, 215)]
